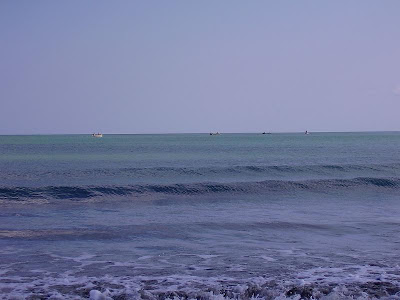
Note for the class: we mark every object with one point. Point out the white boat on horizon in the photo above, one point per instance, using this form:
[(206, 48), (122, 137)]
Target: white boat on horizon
[(97, 135)]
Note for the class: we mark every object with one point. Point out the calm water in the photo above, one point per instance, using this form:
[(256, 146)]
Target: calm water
[(192, 216)]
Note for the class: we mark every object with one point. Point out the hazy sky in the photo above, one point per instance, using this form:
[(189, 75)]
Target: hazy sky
[(199, 66)]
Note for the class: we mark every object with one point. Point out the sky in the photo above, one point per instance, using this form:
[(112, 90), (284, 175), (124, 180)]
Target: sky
[(199, 66)]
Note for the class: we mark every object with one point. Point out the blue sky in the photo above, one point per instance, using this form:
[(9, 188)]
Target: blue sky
[(199, 66)]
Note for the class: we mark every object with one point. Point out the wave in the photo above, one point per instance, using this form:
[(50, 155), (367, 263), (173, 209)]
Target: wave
[(193, 189), (236, 171), (259, 169)]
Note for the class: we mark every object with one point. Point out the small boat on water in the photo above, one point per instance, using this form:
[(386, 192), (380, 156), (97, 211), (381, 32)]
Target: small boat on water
[(215, 133), (97, 135), (306, 132), (266, 132)]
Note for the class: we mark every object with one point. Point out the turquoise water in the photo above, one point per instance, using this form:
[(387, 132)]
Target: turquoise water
[(233, 216)]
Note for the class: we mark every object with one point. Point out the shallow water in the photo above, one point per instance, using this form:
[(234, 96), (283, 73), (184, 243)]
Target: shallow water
[(233, 216)]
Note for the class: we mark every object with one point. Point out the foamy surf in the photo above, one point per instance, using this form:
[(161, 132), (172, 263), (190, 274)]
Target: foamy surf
[(318, 285)]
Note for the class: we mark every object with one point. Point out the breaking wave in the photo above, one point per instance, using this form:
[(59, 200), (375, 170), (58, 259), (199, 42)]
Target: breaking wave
[(193, 189)]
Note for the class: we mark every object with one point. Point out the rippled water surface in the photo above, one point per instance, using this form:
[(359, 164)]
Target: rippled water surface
[(193, 216)]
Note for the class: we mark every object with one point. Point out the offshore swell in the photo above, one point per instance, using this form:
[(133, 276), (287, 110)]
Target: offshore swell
[(235, 216), (191, 174)]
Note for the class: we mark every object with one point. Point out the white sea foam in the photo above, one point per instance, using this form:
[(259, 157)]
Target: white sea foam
[(145, 257), (319, 283), (267, 258), (97, 295), (205, 256)]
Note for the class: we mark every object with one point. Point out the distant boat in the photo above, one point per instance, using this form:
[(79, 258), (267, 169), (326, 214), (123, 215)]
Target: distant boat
[(266, 132), (306, 132), (97, 135), (215, 133)]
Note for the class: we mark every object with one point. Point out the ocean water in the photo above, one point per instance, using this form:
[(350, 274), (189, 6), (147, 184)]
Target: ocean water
[(194, 216)]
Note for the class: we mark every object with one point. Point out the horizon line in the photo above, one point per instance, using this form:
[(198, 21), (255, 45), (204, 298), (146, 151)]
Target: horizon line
[(170, 133)]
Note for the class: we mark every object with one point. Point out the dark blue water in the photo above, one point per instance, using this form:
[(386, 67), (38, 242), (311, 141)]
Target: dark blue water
[(195, 216)]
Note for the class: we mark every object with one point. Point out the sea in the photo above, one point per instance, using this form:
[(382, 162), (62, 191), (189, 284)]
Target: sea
[(195, 216)]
